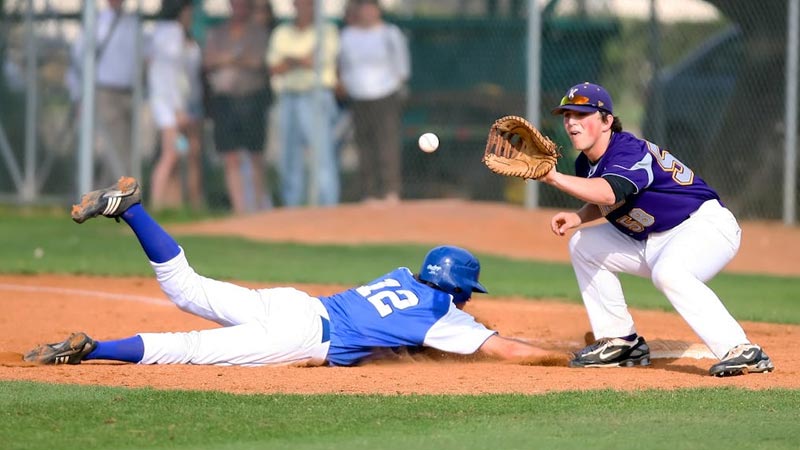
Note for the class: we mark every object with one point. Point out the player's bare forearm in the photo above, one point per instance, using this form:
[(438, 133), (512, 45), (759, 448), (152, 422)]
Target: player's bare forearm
[(565, 221), (589, 212), (590, 190), (518, 352)]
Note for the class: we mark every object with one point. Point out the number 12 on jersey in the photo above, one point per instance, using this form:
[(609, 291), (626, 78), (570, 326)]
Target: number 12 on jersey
[(378, 293)]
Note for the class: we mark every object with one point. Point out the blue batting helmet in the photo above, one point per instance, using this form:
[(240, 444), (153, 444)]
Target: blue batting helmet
[(453, 270)]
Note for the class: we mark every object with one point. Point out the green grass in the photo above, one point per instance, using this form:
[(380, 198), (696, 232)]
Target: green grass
[(102, 247), (45, 416), (35, 415)]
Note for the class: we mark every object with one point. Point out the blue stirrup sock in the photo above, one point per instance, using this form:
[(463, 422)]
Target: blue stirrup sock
[(630, 337), (129, 350), (157, 244)]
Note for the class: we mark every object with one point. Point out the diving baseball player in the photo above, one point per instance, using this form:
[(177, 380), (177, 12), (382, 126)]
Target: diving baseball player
[(663, 223), (283, 326)]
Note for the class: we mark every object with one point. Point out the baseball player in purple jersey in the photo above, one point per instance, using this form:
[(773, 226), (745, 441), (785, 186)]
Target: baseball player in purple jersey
[(283, 326), (663, 222)]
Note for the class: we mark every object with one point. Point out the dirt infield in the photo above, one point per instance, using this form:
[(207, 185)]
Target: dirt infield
[(47, 308)]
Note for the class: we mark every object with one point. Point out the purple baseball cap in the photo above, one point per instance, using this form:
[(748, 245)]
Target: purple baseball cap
[(585, 97)]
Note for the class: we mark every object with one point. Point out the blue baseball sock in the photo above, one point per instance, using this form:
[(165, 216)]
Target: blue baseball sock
[(157, 244), (129, 350), (631, 337)]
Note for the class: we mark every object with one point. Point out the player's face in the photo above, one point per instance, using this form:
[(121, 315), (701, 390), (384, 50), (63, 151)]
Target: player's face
[(584, 129)]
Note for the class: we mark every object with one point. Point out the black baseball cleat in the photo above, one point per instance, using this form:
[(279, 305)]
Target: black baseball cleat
[(613, 352), (70, 351), (109, 202), (742, 359)]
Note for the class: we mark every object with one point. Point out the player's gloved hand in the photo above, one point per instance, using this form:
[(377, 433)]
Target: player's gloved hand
[(515, 148)]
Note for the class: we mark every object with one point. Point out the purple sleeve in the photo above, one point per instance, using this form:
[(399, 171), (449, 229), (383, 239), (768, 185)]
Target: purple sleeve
[(631, 161)]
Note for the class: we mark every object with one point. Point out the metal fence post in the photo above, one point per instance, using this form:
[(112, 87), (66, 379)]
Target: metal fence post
[(790, 144), (138, 99), (87, 98), (534, 87), (319, 116), (31, 101)]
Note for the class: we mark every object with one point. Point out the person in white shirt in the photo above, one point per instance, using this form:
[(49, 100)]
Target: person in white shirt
[(374, 67), (176, 96), (115, 50)]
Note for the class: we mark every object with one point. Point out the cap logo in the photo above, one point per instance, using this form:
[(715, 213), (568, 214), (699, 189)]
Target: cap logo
[(433, 269), (572, 93)]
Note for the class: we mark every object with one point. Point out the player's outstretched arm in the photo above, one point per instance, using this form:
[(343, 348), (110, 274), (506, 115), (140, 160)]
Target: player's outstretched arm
[(519, 352), (590, 190)]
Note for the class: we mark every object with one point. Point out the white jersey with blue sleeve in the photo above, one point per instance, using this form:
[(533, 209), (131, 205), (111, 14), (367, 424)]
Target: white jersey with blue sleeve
[(396, 310)]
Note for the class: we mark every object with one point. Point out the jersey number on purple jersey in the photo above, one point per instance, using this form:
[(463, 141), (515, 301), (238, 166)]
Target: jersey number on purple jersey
[(636, 220), (378, 293), (680, 173)]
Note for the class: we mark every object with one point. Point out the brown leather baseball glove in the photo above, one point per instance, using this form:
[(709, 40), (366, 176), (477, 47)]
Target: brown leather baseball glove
[(515, 148)]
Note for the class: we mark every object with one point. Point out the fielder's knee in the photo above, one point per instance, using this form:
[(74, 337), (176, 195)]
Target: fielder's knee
[(664, 276)]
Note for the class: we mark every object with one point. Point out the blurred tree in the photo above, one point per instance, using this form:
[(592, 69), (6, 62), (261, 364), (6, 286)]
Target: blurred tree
[(751, 137)]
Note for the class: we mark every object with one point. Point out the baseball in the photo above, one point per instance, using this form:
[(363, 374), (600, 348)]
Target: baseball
[(428, 142)]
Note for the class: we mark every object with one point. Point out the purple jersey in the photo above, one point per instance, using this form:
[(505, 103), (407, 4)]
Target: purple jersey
[(666, 190), (394, 311)]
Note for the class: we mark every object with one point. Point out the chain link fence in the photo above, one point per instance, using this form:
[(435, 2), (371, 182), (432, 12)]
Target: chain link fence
[(706, 80)]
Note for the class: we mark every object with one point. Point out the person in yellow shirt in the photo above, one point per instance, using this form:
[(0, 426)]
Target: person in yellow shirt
[(305, 120)]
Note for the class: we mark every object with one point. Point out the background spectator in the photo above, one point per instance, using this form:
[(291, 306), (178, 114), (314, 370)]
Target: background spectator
[(176, 101), (343, 135), (263, 15), (234, 60), (115, 42), (374, 66), (293, 47)]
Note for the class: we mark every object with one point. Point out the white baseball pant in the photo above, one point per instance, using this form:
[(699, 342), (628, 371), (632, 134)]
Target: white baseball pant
[(678, 261), (278, 326)]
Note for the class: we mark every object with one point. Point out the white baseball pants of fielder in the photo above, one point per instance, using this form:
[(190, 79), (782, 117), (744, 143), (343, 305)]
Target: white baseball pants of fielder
[(678, 261), (278, 326)]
